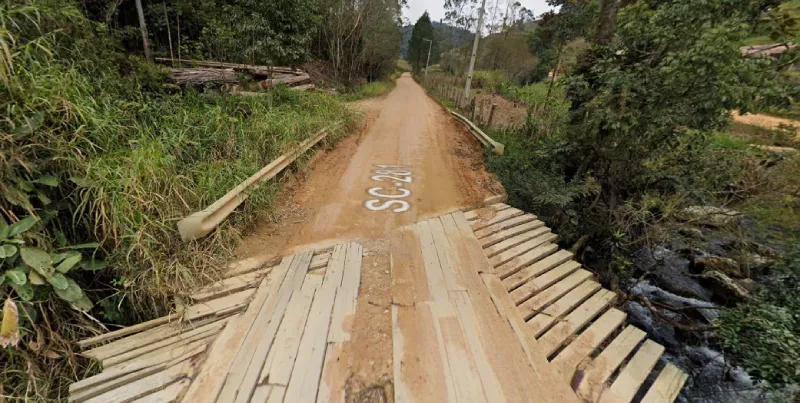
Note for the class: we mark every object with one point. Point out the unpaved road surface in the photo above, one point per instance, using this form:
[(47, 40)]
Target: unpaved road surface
[(406, 129), (766, 121)]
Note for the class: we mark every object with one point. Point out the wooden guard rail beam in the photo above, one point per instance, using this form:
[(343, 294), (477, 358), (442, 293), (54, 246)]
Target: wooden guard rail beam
[(497, 148), (201, 223)]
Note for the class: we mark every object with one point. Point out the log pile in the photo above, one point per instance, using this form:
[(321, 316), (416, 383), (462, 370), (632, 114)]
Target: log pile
[(202, 75), (203, 72)]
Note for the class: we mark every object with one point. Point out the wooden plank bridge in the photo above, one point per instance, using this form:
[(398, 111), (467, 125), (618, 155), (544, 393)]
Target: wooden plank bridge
[(485, 308)]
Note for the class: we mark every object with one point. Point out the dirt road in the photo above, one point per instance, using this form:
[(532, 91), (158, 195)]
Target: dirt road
[(411, 161)]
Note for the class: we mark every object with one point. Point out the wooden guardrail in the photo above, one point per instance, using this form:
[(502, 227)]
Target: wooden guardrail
[(202, 222), (497, 148)]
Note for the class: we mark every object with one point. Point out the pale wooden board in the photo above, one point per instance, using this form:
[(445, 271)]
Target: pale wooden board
[(495, 233), (667, 385), (212, 375), (630, 379), (588, 341), (518, 378), (131, 371), (474, 214), (133, 341), (513, 241), (532, 256), (166, 395), (466, 313), (463, 371), (521, 225), (420, 367), (559, 334), (250, 359), (528, 273), (220, 306), (144, 386), (596, 374), (442, 246), (511, 253), (541, 322), (230, 285), (282, 355), (336, 371), (501, 216), (128, 330), (304, 383), (534, 305), (533, 287), (201, 332), (319, 261)]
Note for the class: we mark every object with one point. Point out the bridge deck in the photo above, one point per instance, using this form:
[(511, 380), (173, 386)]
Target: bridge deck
[(484, 308)]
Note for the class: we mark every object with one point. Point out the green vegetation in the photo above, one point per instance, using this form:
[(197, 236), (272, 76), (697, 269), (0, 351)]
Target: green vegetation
[(371, 90)]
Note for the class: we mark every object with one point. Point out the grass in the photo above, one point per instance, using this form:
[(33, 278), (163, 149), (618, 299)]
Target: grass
[(97, 152), (371, 90), (781, 137)]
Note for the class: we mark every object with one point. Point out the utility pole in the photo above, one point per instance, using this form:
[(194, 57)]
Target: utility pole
[(430, 44), (474, 50)]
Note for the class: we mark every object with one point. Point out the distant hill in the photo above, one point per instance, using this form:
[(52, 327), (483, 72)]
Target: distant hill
[(448, 36)]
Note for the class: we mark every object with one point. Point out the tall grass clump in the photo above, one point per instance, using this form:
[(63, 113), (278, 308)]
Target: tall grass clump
[(98, 165)]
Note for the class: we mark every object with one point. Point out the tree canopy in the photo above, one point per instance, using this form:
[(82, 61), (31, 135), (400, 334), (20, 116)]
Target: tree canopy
[(418, 45)]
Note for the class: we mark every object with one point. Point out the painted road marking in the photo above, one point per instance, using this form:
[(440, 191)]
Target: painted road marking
[(401, 175)]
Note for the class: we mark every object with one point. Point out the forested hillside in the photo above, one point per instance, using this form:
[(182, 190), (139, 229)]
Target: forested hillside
[(447, 36), (102, 155)]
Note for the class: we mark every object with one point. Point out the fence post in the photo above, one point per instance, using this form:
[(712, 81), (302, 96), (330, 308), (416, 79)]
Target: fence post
[(491, 116), (472, 108)]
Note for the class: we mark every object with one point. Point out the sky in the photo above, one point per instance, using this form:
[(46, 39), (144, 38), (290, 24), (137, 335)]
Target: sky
[(435, 8)]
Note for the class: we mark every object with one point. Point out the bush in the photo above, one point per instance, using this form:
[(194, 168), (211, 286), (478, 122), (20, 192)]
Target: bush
[(763, 336), (492, 80)]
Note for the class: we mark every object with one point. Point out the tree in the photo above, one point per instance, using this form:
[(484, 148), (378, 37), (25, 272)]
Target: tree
[(143, 29), (667, 78), (418, 46)]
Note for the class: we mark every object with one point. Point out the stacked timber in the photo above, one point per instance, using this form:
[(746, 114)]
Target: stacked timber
[(202, 75), (203, 72)]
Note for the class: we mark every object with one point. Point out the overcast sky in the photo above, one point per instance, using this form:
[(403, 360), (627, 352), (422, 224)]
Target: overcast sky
[(435, 8)]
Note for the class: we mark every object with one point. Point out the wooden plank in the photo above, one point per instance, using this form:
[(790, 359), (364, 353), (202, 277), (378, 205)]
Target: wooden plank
[(208, 384), (220, 306), (463, 368), (166, 395), (520, 249), (230, 285), (420, 367), (336, 370), (250, 359), (630, 379), (559, 334), (126, 373), (501, 216), (437, 280), (180, 339), (304, 383), (527, 223), (529, 273), (492, 234), (128, 330), (513, 241), (667, 385), (442, 246), (595, 375), (281, 358), (521, 373), (535, 305), (319, 261), (466, 313), (475, 214), (541, 322), (589, 340), (532, 256), (148, 384)]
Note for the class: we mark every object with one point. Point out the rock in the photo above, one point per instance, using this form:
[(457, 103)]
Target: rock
[(725, 286), (746, 283), (710, 215), (715, 381), (660, 331), (752, 263), (679, 282), (725, 265), (706, 310), (691, 232)]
